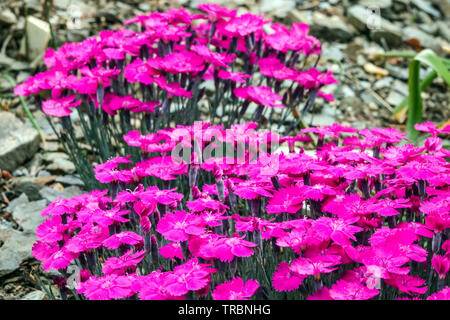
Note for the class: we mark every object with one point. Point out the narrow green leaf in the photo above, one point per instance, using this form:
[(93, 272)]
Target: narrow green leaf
[(424, 84), (415, 100), (398, 54), (430, 58)]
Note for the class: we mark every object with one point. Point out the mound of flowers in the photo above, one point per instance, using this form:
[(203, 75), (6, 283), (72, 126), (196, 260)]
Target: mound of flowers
[(218, 213), (178, 67)]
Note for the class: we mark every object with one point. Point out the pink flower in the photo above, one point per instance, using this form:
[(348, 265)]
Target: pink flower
[(444, 294), (315, 266), (154, 286), (171, 250), (430, 127), (60, 107), (441, 264), (190, 276), (227, 248), (408, 284), (284, 279), (179, 62), (165, 197), (216, 12), (51, 230), (233, 76), (90, 237), (107, 287), (202, 204), (114, 265), (173, 88), (179, 225), (338, 230), (125, 237), (59, 259), (263, 96), (289, 200), (351, 290), (143, 72), (386, 207), (272, 67), (244, 25), (313, 78), (235, 289), (321, 294), (214, 58), (251, 190)]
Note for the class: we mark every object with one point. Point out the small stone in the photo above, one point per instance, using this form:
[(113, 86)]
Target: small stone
[(382, 4), (373, 69), (294, 16), (70, 180), (383, 83), (61, 4), (346, 91), (51, 146), (18, 142), (332, 51), (29, 187), (278, 8), (394, 98), (444, 29), (7, 16), (367, 98), (400, 87), (51, 194), (427, 7), (398, 72), (429, 28), (59, 163), (325, 118), (21, 172), (34, 295), (38, 35)]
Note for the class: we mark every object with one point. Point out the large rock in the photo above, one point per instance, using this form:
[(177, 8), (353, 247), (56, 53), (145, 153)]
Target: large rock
[(426, 40), (16, 249), (38, 35), (51, 194), (330, 28), (365, 20), (27, 214), (18, 142)]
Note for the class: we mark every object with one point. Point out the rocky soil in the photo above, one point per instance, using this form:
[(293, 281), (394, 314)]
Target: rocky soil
[(34, 173)]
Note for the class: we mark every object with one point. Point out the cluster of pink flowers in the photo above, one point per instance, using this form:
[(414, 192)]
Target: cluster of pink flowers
[(165, 65), (365, 216)]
